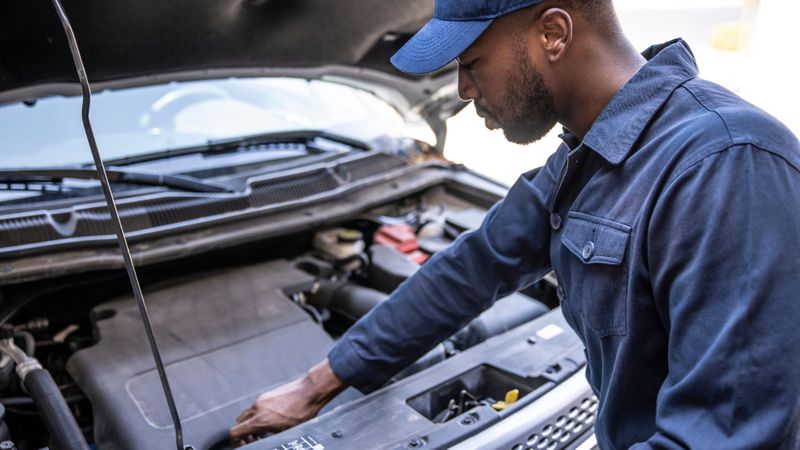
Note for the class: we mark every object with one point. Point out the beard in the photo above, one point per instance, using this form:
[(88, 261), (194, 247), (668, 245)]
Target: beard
[(529, 110)]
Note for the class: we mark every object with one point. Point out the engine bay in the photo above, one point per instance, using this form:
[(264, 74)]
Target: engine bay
[(251, 318)]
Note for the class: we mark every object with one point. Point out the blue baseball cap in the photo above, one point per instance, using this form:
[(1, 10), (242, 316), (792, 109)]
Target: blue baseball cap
[(456, 24)]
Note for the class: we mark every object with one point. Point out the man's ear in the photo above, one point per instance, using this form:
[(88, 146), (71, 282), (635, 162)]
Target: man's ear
[(555, 25)]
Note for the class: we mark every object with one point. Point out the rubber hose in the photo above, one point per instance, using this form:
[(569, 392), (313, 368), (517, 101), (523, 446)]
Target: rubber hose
[(352, 300), (5, 435), (27, 401), (6, 373), (55, 413), (505, 314), (30, 342)]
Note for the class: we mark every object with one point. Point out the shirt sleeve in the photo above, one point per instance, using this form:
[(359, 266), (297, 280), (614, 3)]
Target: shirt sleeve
[(724, 254), (508, 251)]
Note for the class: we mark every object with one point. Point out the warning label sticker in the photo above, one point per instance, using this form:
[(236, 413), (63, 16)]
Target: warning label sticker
[(302, 443), (549, 332)]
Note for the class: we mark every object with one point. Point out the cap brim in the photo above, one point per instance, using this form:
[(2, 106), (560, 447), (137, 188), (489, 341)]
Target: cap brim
[(436, 44)]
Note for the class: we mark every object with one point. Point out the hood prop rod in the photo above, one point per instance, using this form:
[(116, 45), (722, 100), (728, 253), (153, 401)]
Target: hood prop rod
[(112, 209)]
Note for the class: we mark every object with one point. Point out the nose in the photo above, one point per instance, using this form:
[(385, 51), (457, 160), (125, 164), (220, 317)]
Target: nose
[(467, 90)]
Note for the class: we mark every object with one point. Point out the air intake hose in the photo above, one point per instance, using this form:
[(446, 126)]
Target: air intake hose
[(345, 298)]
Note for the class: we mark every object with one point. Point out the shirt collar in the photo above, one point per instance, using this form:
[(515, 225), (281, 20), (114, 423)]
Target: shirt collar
[(623, 120)]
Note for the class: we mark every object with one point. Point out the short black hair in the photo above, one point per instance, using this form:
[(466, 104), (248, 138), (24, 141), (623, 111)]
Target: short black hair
[(591, 9), (597, 12)]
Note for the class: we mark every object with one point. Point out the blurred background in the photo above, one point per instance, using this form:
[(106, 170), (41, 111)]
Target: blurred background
[(748, 46)]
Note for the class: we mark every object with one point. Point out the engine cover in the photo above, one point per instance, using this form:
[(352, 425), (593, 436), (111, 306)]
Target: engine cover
[(224, 338)]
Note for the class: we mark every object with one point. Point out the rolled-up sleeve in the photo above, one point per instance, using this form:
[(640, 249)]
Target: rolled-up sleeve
[(724, 254), (508, 251)]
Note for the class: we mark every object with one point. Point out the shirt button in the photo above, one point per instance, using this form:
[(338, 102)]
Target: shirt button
[(588, 250), (555, 221), (560, 293)]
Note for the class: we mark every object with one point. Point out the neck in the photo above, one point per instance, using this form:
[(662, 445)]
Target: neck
[(606, 69)]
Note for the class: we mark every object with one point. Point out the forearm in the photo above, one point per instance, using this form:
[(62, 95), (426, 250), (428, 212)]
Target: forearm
[(322, 384)]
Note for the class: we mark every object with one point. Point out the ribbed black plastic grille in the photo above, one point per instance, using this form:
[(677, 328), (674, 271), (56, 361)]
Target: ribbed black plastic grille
[(165, 213), (39, 227), (367, 167), (28, 229), (292, 188)]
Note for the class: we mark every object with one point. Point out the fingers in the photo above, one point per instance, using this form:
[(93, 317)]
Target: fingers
[(244, 431), (243, 441), (246, 414), (272, 412), (238, 442)]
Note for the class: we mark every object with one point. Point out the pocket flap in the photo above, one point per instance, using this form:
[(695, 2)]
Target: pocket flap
[(595, 240)]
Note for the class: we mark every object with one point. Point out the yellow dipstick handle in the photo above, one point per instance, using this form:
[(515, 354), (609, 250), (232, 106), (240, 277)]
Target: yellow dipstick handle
[(511, 397)]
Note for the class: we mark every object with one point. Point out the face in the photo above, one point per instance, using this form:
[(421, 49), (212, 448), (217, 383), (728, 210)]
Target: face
[(509, 92)]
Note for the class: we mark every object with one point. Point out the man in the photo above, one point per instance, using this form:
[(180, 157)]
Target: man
[(670, 215)]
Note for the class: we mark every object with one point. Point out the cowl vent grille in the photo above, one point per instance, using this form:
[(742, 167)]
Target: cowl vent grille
[(23, 233), (366, 167), (292, 188)]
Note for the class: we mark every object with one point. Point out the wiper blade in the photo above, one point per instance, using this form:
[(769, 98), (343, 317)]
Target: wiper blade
[(298, 136), (56, 175), (305, 137)]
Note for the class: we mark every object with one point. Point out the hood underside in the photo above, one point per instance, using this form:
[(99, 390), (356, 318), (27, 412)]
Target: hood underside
[(164, 40)]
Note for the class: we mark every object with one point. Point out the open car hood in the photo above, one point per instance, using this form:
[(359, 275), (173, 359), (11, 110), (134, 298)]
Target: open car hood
[(132, 43)]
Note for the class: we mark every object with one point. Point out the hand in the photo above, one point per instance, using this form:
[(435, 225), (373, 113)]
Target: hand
[(287, 406)]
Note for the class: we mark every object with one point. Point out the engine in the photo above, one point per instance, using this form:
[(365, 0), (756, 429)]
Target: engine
[(230, 331)]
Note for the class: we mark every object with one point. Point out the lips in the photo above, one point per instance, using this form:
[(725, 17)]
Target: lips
[(489, 121)]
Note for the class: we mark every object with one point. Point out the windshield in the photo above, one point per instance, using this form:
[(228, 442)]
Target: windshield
[(137, 121)]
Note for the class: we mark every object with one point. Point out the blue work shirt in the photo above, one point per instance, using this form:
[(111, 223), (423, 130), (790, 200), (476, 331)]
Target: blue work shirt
[(674, 231)]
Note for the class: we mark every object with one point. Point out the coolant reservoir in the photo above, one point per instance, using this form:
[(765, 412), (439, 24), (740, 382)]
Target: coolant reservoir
[(342, 246)]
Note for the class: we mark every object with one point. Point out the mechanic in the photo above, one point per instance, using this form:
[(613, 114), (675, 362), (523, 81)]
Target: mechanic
[(670, 215)]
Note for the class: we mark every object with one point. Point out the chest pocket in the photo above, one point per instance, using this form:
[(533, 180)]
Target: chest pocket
[(599, 278)]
